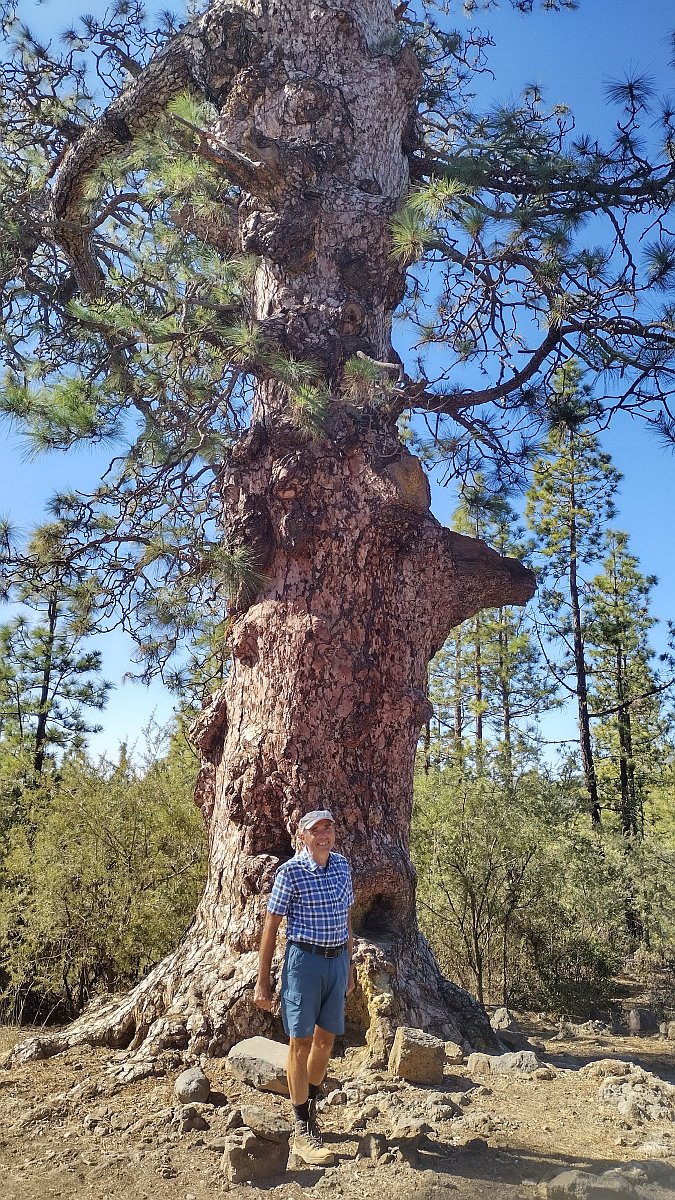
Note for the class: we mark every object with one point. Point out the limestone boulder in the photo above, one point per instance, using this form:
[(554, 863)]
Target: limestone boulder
[(260, 1062), (502, 1019), (582, 1185), (639, 1096), (266, 1125), (454, 1053), (417, 1056), (520, 1062), (249, 1158)]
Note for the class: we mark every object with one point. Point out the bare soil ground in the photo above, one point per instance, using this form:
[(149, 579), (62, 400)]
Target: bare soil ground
[(102, 1141)]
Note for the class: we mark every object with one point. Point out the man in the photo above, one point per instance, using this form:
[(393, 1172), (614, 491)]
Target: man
[(313, 891)]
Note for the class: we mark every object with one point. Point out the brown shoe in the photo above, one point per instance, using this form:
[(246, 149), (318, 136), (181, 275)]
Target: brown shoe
[(308, 1147)]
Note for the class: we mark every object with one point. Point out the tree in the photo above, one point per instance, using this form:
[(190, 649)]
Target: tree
[(49, 676), (509, 681), (569, 503), (489, 675), (627, 690), (48, 681), (225, 266)]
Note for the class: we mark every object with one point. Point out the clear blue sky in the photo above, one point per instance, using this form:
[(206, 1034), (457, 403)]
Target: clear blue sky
[(572, 56)]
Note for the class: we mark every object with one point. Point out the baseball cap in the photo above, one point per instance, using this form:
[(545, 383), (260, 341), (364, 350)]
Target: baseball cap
[(311, 819)]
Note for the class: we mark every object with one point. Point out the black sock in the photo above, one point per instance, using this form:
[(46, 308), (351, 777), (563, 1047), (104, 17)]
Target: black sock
[(314, 1089), (302, 1112)]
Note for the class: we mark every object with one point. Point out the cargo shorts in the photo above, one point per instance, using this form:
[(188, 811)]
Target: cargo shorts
[(313, 991)]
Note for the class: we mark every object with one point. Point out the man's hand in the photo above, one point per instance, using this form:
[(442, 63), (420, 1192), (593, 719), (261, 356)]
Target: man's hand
[(351, 979), (263, 996)]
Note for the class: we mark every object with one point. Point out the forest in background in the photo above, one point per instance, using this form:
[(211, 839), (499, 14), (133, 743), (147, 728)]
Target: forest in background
[(540, 875)]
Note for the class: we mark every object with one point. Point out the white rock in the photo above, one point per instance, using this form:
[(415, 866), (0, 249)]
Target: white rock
[(260, 1062), (192, 1086)]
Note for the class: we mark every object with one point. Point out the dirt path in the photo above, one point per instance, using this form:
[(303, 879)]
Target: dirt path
[(65, 1131)]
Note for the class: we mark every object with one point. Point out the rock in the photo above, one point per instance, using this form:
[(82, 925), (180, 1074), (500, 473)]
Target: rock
[(475, 1146), (655, 1171), (268, 1126), (260, 1062), (509, 1032), (441, 1104), (512, 1039), (193, 1086), (581, 1185), (479, 1064), (477, 1122), (406, 1128), (642, 1020), (188, 1119), (669, 1030), (248, 1157), (417, 1056), (588, 1029), (658, 1149), (502, 1019), (520, 1062), (639, 1096), (603, 1068), (372, 1145), (455, 1055)]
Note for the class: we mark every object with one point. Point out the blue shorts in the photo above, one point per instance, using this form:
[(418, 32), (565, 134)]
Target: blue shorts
[(313, 991)]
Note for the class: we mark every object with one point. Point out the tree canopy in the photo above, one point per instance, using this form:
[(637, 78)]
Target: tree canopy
[(126, 303)]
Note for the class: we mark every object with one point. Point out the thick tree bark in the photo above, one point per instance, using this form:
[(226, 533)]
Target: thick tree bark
[(360, 585)]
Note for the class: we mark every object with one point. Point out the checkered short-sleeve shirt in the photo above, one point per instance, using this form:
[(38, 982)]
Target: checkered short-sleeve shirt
[(315, 900)]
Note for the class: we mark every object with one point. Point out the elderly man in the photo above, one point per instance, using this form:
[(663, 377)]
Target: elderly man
[(313, 891)]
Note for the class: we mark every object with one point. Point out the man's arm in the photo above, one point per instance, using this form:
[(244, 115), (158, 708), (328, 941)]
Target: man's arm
[(351, 978), (263, 992)]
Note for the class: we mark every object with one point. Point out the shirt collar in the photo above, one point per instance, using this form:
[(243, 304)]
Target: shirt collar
[(308, 861)]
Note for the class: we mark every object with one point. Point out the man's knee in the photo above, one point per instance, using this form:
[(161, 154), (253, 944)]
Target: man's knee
[(299, 1047), (322, 1039)]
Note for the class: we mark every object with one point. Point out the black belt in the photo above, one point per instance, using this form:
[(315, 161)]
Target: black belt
[(323, 951)]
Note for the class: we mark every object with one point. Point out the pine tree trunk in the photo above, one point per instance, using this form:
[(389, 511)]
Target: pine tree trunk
[(360, 584), (40, 742), (586, 745)]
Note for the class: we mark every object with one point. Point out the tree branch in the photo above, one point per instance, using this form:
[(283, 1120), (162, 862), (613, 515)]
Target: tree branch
[(214, 46)]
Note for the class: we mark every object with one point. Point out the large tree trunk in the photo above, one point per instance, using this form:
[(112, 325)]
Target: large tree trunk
[(360, 584)]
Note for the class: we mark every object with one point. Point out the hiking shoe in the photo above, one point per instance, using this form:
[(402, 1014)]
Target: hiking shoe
[(308, 1146)]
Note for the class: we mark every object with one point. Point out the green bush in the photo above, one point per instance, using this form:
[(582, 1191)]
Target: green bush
[(99, 883), (522, 901)]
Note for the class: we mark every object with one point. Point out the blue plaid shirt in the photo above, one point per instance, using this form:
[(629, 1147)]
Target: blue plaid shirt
[(315, 900)]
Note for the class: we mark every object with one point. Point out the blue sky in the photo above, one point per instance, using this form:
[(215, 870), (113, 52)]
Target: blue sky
[(572, 56)]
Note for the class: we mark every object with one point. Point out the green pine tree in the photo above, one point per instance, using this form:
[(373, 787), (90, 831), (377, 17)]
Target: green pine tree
[(569, 504), (628, 691)]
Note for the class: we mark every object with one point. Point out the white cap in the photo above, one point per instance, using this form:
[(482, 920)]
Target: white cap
[(311, 819)]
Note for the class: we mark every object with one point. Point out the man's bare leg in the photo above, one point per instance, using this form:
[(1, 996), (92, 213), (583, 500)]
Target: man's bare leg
[(319, 1055), (307, 1062), (298, 1076)]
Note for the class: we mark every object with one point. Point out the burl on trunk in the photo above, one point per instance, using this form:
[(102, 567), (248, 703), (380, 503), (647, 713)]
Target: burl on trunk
[(359, 584)]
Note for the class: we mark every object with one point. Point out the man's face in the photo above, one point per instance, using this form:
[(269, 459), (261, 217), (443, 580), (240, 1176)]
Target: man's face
[(320, 840)]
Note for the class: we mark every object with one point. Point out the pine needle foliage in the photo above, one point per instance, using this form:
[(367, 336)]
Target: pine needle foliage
[(521, 237)]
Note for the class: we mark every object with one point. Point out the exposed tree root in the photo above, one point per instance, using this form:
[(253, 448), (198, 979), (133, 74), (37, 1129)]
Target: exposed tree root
[(198, 1003)]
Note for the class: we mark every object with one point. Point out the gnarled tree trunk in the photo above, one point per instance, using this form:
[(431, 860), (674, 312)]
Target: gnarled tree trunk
[(361, 585)]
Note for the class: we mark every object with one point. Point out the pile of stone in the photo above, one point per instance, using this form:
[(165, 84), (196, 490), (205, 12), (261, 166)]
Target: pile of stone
[(635, 1093)]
